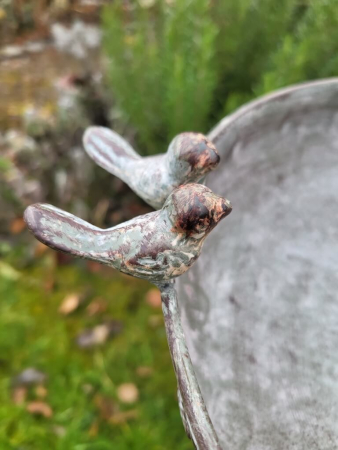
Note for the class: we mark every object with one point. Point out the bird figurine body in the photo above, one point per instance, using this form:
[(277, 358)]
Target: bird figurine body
[(189, 158), (157, 246)]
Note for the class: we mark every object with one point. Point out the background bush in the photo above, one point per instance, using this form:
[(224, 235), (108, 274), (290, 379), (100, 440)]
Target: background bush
[(309, 52), (162, 66), (181, 65)]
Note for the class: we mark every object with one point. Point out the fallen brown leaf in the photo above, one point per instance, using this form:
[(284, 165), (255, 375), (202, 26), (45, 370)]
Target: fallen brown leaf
[(94, 429), (106, 406), (40, 249), (70, 303), (41, 391), (127, 393), (97, 306), (19, 395), (144, 371), (99, 334), (153, 298), (17, 225), (40, 409), (122, 417)]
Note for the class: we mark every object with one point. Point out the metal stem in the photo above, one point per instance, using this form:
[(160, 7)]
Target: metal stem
[(193, 410)]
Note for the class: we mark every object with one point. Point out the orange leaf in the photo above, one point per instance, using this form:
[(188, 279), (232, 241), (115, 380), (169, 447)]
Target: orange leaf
[(153, 298), (144, 371), (69, 304), (97, 306), (122, 417), (41, 391), (19, 395), (40, 249), (17, 225), (127, 393), (40, 409)]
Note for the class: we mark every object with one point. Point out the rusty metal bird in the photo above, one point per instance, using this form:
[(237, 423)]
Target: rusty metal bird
[(189, 158), (157, 246)]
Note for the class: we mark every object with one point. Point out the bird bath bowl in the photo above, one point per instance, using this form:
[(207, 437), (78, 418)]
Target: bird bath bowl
[(260, 307)]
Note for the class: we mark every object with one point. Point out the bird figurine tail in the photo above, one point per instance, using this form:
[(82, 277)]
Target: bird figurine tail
[(67, 233), (110, 151)]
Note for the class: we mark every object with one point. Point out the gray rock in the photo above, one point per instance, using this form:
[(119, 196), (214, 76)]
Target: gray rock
[(30, 376)]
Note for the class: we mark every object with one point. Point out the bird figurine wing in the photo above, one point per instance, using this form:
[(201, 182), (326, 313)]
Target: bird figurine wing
[(110, 151)]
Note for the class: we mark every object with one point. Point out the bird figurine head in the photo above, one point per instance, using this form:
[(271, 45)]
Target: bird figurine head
[(190, 157), (195, 210)]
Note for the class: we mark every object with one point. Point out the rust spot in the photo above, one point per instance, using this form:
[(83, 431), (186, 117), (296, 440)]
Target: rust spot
[(252, 359), (199, 152), (233, 300), (198, 210)]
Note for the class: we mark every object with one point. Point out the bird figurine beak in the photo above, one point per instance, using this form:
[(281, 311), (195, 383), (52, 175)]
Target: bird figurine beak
[(226, 208)]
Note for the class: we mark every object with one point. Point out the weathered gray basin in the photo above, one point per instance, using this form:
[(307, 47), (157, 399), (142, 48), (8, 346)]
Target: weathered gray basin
[(260, 306)]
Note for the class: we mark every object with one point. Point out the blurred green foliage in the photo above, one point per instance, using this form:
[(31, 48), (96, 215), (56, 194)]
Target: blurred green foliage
[(249, 32), (309, 53), (181, 65), (81, 383), (162, 67)]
